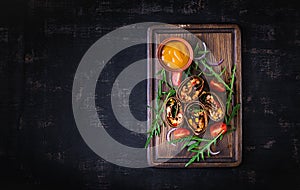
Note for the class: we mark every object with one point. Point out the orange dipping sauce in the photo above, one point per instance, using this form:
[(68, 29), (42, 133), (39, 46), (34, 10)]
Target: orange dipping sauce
[(175, 55)]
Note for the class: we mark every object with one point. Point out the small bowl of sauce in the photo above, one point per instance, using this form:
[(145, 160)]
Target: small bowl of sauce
[(175, 55)]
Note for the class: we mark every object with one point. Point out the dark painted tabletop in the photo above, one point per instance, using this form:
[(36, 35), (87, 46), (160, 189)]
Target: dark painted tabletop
[(41, 45)]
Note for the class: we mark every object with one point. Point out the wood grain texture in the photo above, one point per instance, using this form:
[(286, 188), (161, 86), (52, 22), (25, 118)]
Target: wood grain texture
[(42, 43), (224, 41)]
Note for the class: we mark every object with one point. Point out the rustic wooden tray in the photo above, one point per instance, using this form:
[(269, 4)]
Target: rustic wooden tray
[(225, 42)]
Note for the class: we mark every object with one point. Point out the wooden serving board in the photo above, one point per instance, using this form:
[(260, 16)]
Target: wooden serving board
[(224, 41)]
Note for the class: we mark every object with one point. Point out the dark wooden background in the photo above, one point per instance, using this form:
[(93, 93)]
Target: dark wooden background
[(42, 43)]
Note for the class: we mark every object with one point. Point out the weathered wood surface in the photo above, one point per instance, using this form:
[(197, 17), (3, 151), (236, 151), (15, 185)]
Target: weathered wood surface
[(224, 41), (41, 44)]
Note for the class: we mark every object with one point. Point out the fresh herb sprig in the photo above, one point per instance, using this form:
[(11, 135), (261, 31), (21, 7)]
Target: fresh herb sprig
[(200, 150), (234, 112), (194, 144), (229, 99), (161, 99), (195, 147), (216, 75), (229, 116), (183, 139)]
